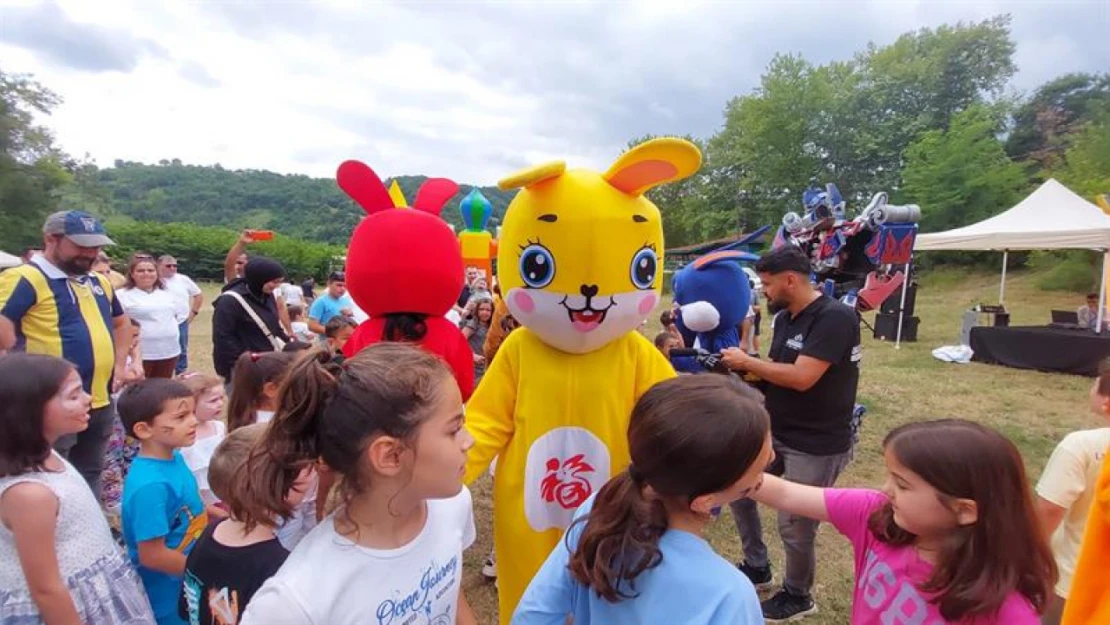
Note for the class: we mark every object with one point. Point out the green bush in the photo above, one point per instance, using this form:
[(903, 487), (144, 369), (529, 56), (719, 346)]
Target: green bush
[(1068, 270), (200, 250)]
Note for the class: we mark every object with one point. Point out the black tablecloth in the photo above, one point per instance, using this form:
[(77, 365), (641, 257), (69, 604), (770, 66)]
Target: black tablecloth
[(1041, 348)]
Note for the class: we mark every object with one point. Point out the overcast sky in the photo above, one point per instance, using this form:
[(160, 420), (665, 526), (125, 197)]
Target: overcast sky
[(465, 90)]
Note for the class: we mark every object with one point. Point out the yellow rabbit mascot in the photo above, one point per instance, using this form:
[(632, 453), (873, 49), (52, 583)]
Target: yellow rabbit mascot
[(580, 264)]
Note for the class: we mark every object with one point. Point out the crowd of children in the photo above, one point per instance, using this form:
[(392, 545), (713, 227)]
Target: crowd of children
[(225, 525)]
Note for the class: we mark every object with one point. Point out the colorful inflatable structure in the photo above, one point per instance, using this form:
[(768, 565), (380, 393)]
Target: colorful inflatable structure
[(854, 259), (478, 246)]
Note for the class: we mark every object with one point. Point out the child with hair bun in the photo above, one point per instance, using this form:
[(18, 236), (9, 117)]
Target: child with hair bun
[(390, 423)]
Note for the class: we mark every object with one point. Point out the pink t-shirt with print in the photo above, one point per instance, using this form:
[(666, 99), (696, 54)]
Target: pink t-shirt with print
[(887, 576)]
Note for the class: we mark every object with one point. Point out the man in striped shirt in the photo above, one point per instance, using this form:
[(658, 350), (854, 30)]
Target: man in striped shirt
[(54, 305)]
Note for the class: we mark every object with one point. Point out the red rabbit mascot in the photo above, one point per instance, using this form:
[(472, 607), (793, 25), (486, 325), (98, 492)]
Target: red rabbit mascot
[(405, 270)]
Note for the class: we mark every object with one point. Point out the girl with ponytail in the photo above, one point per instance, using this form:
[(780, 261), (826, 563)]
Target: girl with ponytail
[(635, 552), (389, 423)]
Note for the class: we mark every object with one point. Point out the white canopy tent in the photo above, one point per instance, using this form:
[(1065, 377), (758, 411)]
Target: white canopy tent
[(1051, 218)]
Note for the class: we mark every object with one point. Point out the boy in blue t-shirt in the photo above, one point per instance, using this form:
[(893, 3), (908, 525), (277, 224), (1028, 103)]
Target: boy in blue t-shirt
[(163, 514), (334, 302)]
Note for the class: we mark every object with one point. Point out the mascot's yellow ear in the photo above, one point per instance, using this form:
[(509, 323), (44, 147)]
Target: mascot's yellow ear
[(653, 163), (532, 175)]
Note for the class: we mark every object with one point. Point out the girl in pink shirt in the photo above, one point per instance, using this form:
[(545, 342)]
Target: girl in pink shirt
[(952, 538)]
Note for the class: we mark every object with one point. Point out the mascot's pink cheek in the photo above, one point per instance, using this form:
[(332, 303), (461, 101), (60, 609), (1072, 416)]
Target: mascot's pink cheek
[(647, 304), (524, 302)]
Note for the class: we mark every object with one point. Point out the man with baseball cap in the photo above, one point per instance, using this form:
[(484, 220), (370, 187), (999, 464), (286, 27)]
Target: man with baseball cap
[(55, 305)]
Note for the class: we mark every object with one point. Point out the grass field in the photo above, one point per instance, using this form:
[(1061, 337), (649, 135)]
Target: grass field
[(1034, 409)]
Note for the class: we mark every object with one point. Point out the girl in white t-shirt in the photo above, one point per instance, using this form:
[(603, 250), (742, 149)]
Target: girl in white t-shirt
[(208, 391), (389, 421)]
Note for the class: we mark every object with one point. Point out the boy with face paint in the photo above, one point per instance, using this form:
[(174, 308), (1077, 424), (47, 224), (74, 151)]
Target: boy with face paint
[(163, 513)]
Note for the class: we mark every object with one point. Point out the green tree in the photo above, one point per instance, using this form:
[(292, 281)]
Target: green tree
[(200, 250), (848, 122), (1044, 124), (310, 208), (765, 154), (962, 175), (32, 169), (1087, 165)]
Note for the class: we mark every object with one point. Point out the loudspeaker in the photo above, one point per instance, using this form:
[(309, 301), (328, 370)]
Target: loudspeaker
[(886, 327), (890, 304)]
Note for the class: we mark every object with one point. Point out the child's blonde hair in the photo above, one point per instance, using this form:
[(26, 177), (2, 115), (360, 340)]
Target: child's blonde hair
[(223, 472), (199, 383)]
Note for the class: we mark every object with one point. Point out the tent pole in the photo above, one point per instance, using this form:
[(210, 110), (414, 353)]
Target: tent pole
[(902, 305), (1102, 292), (1002, 286)]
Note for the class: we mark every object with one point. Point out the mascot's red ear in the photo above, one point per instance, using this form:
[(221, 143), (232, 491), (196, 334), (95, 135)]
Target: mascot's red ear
[(363, 186), (433, 195)]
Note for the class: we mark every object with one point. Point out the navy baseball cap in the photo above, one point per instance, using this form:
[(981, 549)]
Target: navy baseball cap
[(79, 227)]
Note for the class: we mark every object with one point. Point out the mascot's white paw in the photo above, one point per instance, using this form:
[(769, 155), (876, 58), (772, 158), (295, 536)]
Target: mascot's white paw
[(700, 316)]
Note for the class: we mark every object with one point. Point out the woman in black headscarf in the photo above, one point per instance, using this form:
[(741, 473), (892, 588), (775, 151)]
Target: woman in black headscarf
[(246, 317)]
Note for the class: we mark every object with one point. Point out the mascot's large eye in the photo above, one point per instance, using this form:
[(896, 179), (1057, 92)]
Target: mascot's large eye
[(644, 265), (537, 266)]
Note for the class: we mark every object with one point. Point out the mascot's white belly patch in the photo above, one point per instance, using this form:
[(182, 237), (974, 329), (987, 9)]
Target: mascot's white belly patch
[(564, 468)]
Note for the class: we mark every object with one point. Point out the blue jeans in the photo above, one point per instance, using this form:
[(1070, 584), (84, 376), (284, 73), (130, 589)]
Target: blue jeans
[(183, 340)]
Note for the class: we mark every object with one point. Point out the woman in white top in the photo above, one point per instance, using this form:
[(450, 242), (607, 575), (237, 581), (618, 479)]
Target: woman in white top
[(146, 300)]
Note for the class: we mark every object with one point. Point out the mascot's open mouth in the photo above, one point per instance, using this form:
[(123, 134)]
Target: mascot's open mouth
[(586, 319)]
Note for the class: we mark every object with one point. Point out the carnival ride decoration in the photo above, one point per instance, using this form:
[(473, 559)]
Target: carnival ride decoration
[(405, 269), (580, 267), (855, 260), (397, 195), (478, 246)]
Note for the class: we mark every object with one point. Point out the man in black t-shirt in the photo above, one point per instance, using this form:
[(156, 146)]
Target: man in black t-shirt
[(810, 384)]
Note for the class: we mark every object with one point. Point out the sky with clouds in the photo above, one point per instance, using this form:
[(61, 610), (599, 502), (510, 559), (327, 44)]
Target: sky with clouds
[(468, 90)]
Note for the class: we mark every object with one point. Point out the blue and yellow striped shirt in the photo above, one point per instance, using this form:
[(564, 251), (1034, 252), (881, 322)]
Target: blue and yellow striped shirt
[(68, 317)]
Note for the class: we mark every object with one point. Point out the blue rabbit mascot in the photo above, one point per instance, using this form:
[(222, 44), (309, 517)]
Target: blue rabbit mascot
[(713, 296)]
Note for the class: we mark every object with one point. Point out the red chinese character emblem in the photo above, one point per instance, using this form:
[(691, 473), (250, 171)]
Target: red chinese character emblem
[(566, 484)]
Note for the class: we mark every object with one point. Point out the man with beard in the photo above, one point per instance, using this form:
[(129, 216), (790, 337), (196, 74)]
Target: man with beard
[(54, 305), (810, 384)]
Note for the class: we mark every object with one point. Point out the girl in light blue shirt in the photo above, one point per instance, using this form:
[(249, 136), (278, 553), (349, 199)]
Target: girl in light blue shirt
[(635, 553)]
